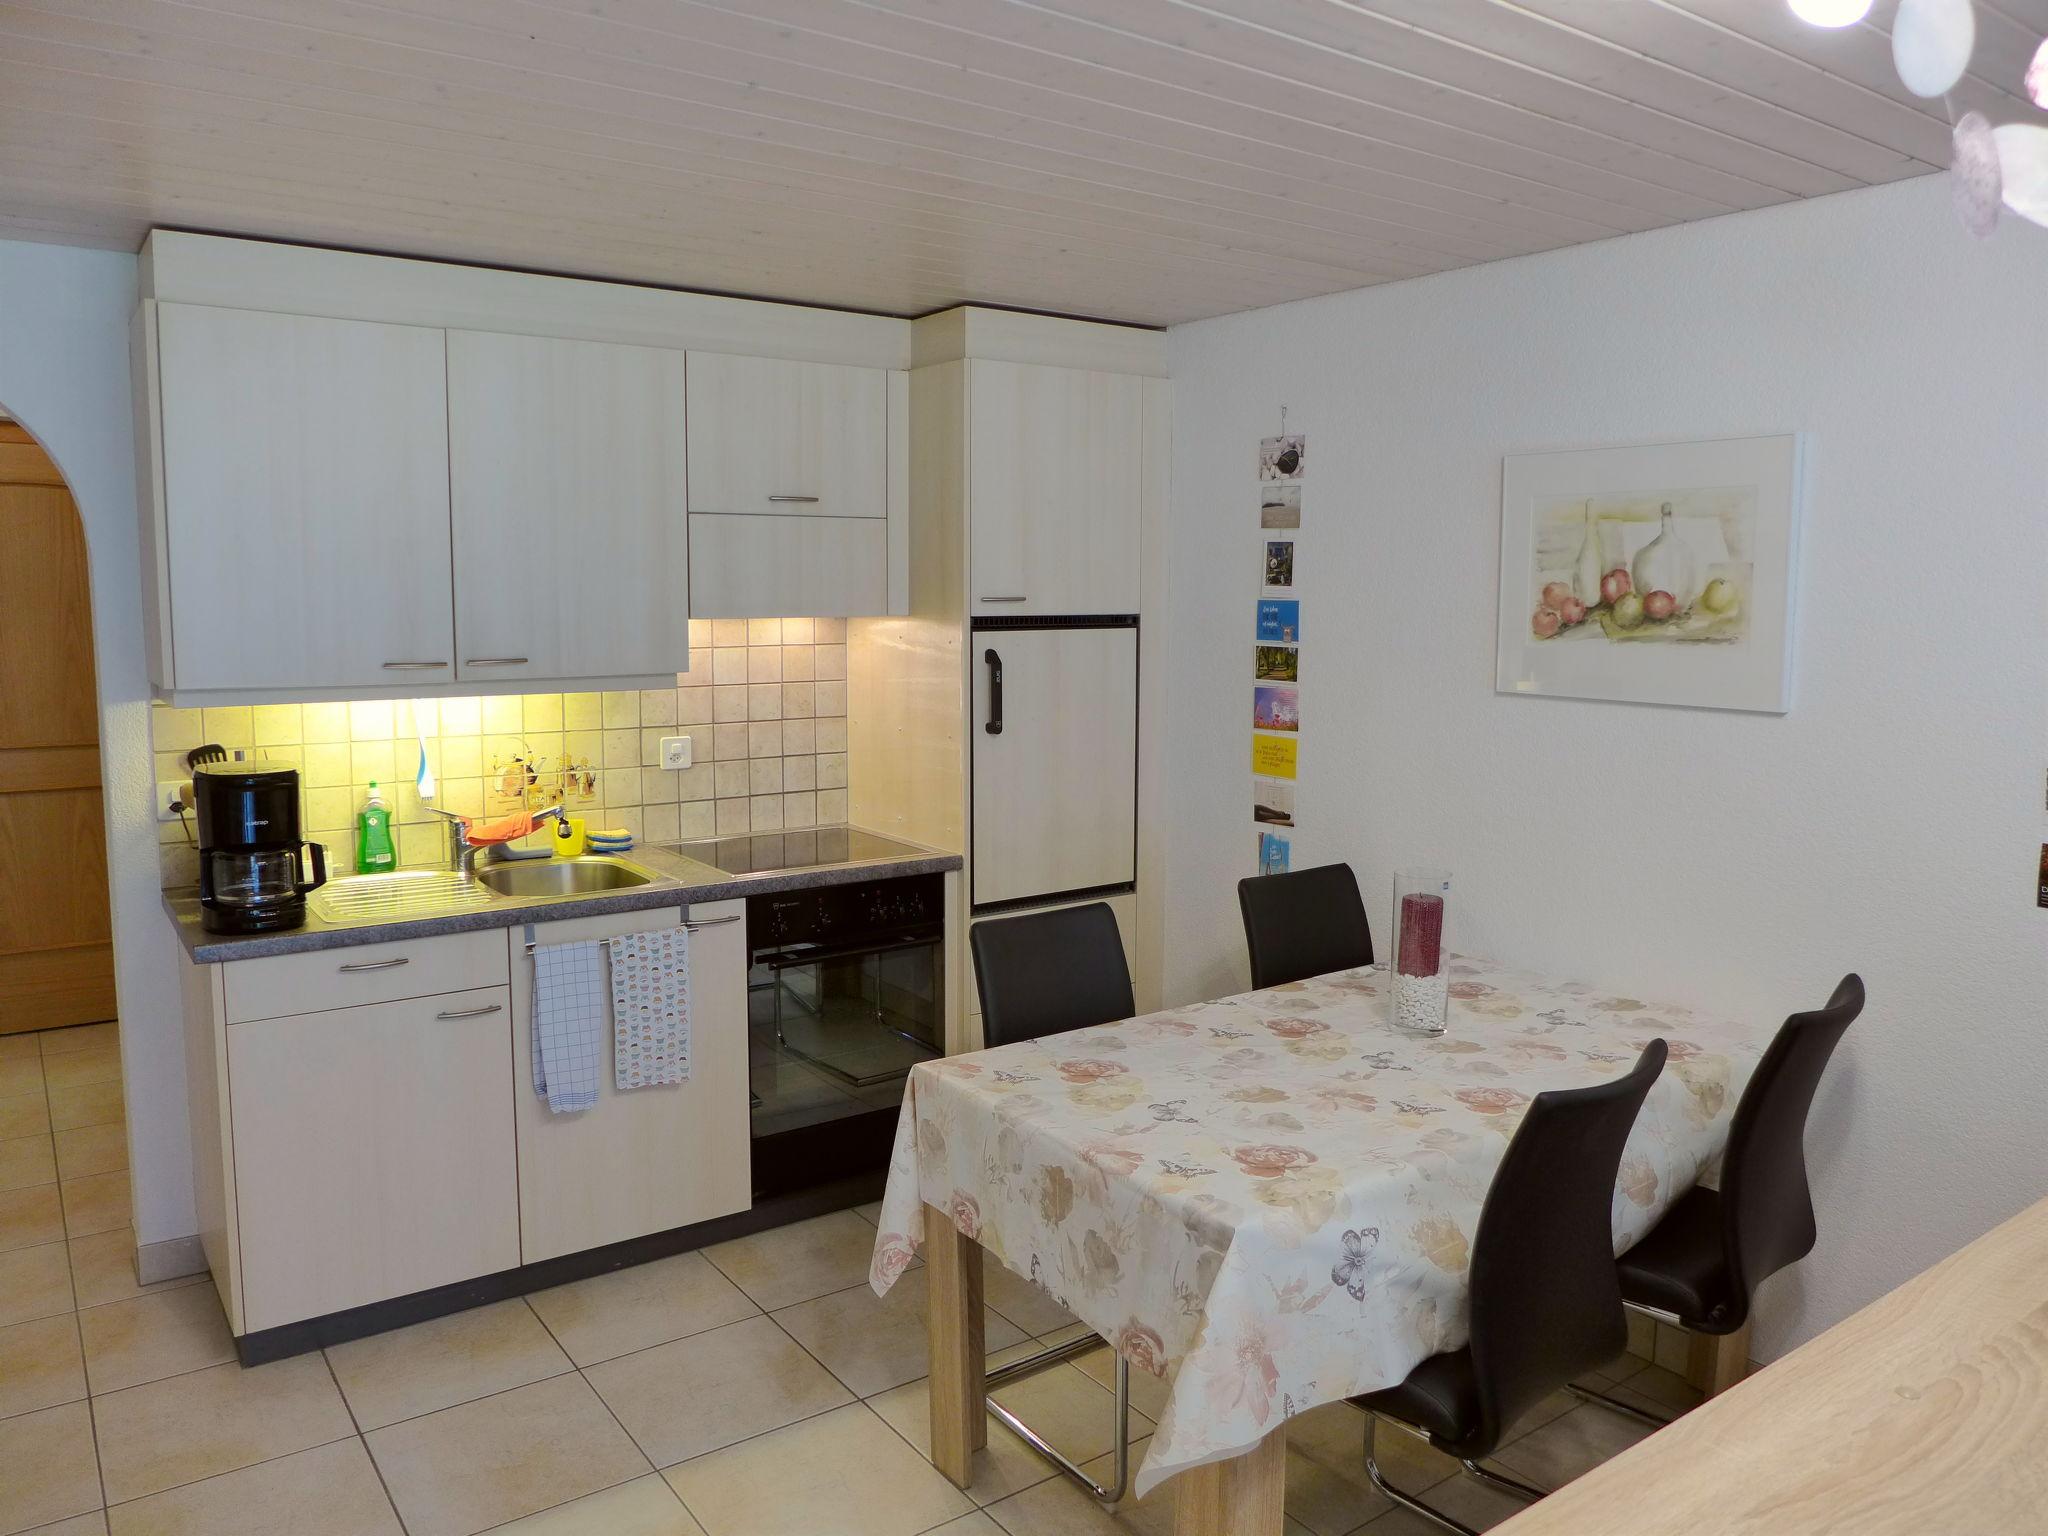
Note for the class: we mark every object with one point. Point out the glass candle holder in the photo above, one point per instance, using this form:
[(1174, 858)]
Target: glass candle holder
[(1420, 975)]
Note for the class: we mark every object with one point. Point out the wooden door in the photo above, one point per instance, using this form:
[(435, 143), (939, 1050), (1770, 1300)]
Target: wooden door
[(571, 531), (772, 437), (56, 958), (306, 500), (1055, 476), (373, 1150), (653, 1158)]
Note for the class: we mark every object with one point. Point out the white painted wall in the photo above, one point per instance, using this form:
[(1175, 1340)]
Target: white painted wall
[(1889, 824), (64, 375)]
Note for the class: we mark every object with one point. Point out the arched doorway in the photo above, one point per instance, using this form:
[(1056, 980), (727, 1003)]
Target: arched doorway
[(56, 960)]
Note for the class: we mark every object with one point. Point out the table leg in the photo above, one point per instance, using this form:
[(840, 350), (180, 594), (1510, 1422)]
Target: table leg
[(1244, 1496), (1719, 1360), (953, 1326)]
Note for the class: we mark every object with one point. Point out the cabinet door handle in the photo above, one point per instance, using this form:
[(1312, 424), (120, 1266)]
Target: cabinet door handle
[(414, 666), (995, 693), (470, 1013), (494, 661), (1005, 599), (712, 922), (378, 965), (805, 499)]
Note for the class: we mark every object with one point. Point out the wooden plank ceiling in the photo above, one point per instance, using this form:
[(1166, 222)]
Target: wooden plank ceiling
[(1141, 160)]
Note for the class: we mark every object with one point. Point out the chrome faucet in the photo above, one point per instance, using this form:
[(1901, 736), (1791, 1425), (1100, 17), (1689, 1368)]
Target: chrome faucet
[(462, 853)]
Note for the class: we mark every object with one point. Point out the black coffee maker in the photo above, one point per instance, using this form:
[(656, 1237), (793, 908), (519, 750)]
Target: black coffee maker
[(252, 878)]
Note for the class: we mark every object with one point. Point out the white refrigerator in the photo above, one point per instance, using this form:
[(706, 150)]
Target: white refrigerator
[(1055, 752)]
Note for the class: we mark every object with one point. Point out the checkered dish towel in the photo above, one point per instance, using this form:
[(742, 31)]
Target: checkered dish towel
[(651, 1008), (568, 1023)]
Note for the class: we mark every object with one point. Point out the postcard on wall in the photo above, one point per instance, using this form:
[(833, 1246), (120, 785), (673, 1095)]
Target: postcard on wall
[(1274, 851), (1276, 664), (1283, 458), (1275, 708), (1276, 565), (1273, 757), (1659, 574), (1279, 621), (1280, 506), (1273, 802)]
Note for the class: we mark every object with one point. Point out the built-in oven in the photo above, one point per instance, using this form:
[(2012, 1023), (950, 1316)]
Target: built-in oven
[(846, 993)]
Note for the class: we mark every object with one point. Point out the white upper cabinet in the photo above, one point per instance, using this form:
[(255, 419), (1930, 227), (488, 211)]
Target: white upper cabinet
[(1054, 464), (304, 514), (566, 468), (773, 437)]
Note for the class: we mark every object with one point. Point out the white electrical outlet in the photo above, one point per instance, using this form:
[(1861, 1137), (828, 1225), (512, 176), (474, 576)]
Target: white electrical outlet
[(170, 795), (675, 752)]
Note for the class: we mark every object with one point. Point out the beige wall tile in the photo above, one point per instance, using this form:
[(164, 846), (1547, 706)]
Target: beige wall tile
[(797, 631), (583, 711), (52, 1473), (696, 781), (188, 1427), (831, 699), (829, 631), (504, 714), (764, 632), (800, 810), (831, 807), (449, 1360), (697, 819), (332, 1489), (798, 665), (729, 703), (621, 711), (728, 631), (831, 770), (230, 726), (764, 701), (277, 725), (175, 730), (730, 778), (650, 744), (764, 776), (622, 748), (764, 664), (462, 717), (799, 737), (149, 1338), (734, 817), (541, 712), (657, 706), (700, 665), (323, 722), (660, 823), (371, 720), (730, 740), (40, 1365), (799, 773), (830, 661), (693, 706), (764, 738), (325, 765), (832, 733), (799, 699), (658, 786), (466, 1469)]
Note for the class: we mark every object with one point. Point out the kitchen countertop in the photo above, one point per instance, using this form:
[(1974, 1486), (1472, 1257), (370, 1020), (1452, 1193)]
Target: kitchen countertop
[(679, 881)]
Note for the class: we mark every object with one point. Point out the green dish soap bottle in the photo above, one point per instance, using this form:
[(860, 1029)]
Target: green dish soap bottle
[(374, 852)]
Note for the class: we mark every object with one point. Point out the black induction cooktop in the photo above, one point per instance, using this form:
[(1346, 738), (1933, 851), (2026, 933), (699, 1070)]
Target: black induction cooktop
[(767, 853)]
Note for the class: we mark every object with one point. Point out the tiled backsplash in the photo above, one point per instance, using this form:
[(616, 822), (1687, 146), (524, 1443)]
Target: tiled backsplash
[(764, 705)]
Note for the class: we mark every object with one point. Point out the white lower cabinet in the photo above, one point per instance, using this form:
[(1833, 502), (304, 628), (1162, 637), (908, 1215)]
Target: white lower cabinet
[(373, 1152), (648, 1159)]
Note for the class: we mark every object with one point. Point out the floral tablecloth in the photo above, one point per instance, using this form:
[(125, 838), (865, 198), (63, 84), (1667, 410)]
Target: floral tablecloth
[(1271, 1199)]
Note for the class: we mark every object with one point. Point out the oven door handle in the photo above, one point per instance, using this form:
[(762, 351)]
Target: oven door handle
[(789, 959)]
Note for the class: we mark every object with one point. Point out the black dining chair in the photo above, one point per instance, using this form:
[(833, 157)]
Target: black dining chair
[(1309, 922), (1545, 1300), (1044, 974), (1699, 1267)]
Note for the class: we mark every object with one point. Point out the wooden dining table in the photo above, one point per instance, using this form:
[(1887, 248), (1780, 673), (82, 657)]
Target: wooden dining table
[(1269, 1200)]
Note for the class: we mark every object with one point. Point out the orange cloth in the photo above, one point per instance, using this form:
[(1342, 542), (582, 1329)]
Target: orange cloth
[(505, 829)]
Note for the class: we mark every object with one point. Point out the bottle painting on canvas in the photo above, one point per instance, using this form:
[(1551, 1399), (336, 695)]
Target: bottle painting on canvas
[(1671, 566)]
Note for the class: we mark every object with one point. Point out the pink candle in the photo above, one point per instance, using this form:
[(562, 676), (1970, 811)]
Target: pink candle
[(1422, 934)]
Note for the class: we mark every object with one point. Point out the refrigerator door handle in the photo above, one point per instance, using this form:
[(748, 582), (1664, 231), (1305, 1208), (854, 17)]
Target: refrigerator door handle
[(995, 693)]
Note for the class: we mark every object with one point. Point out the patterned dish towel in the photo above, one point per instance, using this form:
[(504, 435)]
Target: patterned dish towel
[(651, 1008), (568, 1023)]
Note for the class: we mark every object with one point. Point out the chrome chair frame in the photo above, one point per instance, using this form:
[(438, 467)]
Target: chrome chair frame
[(1414, 1503), (1045, 1359)]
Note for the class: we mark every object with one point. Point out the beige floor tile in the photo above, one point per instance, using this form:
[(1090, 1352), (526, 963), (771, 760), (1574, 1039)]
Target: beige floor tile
[(26, 1160), (24, 1114), (1148, 1392), (92, 1149), (647, 1506), (94, 1524), (467, 1469), (21, 1047), (871, 1213), (1327, 1488), (1462, 1498), (34, 1282), (131, 1342), (331, 1490), (103, 1270), (20, 1074), (1058, 1508), (450, 1360), (1020, 1301), (75, 1069), (789, 1264), (611, 1315), (1656, 1390), (846, 1472), (40, 1366), (99, 1202), (86, 1104), (976, 1524), (695, 1395), (78, 1037), (873, 1343), (200, 1425), (52, 1473), (1565, 1448), (30, 1216)]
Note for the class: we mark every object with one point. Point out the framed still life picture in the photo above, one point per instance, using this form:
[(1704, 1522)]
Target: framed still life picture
[(1657, 574)]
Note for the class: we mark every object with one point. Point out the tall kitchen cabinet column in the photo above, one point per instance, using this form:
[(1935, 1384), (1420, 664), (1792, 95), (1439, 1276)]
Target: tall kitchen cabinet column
[(1012, 715)]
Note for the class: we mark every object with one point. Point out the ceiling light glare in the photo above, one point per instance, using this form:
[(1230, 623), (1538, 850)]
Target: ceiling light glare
[(1830, 13)]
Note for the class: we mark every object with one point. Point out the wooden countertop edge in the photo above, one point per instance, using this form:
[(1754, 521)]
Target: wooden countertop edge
[(1925, 1411)]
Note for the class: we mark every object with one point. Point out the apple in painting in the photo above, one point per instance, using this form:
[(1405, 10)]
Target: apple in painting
[(1545, 623), (1719, 596), (1555, 595), (1659, 606), (1628, 610), (1571, 611), (1614, 586)]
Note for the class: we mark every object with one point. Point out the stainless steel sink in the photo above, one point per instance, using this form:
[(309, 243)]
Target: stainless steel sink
[(562, 877)]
